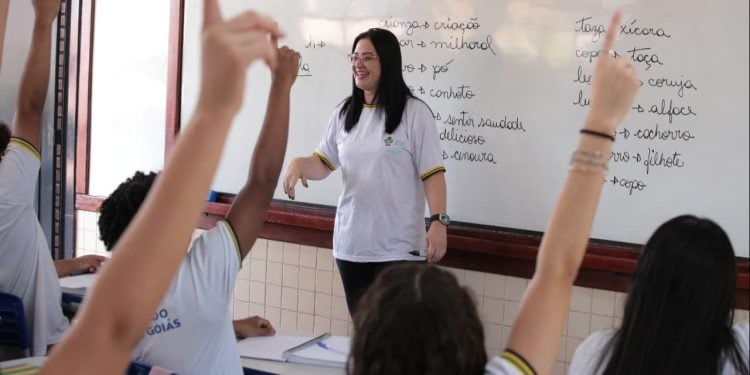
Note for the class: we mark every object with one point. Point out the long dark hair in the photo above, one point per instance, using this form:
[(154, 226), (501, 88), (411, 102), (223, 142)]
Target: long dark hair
[(417, 319), (4, 138), (679, 311), (392, 91)]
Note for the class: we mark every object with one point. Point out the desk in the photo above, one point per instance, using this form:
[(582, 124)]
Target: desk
[(33, 361), (74, 287), (286, 368)]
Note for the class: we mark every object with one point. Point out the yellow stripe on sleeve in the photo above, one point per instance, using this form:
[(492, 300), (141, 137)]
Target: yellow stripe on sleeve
[(22, 369), (431, 171), (518, 362), (325, 160), (26, 146)]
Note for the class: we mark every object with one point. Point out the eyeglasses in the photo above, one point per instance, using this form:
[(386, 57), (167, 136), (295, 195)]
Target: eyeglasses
[(365, 58)]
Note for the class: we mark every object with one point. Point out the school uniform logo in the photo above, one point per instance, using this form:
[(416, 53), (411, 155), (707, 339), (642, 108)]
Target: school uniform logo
[(162, 323)]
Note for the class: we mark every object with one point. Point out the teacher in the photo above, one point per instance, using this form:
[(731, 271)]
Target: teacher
[(386, 142)]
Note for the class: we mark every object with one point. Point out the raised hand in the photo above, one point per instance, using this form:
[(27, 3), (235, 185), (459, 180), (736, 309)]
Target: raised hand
[(229, 47), (45, 11), (287, 67), (613, 86)]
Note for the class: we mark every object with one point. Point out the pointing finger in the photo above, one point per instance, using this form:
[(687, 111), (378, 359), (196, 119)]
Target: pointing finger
[(211, 13), (614, 25)]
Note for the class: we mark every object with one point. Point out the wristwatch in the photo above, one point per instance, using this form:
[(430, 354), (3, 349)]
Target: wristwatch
[(442, 218)]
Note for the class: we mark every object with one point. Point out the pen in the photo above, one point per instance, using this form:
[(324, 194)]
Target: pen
[(325, 346)]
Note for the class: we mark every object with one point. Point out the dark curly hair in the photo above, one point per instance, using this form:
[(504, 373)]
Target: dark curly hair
[(417, 319), (119, 209), (4, 138)]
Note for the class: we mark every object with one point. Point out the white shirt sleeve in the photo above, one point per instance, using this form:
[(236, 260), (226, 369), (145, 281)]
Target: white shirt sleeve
[(425, 142), (588, 354), (215, 259), (19, 170), (508, 363), (328, 149), (742, 335)]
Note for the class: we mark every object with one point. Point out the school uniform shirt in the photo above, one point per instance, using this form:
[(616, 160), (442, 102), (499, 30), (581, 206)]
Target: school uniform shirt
[(191, 331), (509, 363), (27, 269), (380, 213), (589, 352)]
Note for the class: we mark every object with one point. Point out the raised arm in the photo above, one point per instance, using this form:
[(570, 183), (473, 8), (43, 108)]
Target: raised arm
[(119, 306), (544, 307), (35, 78), (248, 211), (4, 5)]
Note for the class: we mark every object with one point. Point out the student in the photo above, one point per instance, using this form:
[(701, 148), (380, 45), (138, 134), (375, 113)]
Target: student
[(207, 274), (679, 312), (27, 269), (387, 145), (119, 308), (405, 312)]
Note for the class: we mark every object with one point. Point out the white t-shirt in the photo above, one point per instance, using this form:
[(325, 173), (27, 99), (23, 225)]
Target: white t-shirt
[(588, 353), (27, 269), (380, 213), (191, 332), (508, 363)]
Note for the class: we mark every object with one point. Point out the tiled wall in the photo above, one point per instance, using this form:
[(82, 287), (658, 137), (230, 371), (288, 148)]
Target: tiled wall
[(299, 288)]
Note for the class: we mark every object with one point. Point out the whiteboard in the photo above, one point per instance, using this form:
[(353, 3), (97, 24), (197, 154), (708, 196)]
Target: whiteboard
[(508, 83)]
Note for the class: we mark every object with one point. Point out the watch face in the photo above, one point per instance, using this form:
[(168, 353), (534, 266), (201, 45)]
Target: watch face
[(445, 219)]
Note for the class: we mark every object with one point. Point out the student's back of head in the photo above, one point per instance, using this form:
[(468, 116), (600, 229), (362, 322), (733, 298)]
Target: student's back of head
[(679, 312), (121, 206), (417, 319)]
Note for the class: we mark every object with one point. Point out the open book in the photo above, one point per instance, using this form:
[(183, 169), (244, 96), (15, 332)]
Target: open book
[(331, 352), (77, 284), (319, 350), (276, 347)]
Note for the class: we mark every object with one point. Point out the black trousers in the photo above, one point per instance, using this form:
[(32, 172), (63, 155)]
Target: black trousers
[(357, 277)]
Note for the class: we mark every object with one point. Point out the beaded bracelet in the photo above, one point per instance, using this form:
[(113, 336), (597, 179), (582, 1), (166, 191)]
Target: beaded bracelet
[(583, 160)]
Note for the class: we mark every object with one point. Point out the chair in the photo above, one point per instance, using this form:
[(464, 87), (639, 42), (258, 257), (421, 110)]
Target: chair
[(252, 371), (141, 368), (138, 368), (13, 330)]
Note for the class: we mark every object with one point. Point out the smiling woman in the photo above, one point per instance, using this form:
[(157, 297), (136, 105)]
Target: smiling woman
[(387, 145)]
